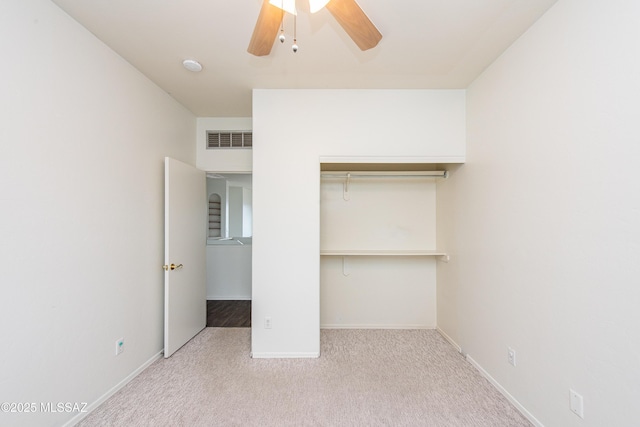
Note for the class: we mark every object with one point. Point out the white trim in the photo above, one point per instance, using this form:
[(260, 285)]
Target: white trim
[(449, 339), (367, 326), (392, 159), (92, 406), (284, 355), (505, 393), (229, 298)]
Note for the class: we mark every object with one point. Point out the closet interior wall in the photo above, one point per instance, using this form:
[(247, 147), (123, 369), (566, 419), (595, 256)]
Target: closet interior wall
[(389, 223)]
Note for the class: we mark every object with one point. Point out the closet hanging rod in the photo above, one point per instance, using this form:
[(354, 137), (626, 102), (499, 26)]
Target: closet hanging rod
[(345, 174)]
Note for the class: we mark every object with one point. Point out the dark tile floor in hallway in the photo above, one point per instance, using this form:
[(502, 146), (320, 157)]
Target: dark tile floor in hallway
[(229, 314)]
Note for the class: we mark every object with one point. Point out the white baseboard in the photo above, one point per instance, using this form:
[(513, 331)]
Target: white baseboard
[(285, 355), (229, 298), (366, 326), (450, 340), (505, 393), (92, 406)]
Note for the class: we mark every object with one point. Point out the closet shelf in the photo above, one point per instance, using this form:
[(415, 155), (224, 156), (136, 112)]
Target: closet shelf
[(380, 252)]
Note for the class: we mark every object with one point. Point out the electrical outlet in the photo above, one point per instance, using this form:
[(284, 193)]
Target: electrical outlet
[(511, 356), (119, 346), (267, 322), (577, 404)]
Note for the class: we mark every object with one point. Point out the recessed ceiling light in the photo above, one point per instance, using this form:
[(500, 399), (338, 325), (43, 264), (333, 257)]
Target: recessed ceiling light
[(192, 65)]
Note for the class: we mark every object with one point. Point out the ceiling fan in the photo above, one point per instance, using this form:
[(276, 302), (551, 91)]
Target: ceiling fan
[(347, 12)]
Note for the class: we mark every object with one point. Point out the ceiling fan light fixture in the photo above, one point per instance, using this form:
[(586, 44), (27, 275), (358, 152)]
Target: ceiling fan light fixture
[(347, 13), (316, 5), (288, 6)]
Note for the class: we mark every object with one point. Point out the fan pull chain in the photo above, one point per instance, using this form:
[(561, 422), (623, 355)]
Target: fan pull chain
[(282, 37), (295, 44)]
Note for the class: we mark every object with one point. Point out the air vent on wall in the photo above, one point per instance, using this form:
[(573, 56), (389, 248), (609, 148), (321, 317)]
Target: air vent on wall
[(229, 139)]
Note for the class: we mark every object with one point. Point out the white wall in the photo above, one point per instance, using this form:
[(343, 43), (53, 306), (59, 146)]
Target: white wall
[(83, 138), (378, 292), (229, 271), (294, 130), (222, 160), (234, 202), (545, 226), (247, 212)]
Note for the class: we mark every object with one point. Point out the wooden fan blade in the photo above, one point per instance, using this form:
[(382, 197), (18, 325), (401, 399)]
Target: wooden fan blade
[(355, 22), (265, 30)]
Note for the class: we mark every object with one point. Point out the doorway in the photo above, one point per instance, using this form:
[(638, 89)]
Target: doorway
[(229, 249)]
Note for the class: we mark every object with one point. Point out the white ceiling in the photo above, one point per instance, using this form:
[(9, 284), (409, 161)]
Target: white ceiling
[(426, 44)]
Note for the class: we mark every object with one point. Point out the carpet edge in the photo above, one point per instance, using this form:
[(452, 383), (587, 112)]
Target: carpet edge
[(528, 415), (113, 390)]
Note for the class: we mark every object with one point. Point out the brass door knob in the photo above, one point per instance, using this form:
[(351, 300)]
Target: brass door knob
[(172, 267)]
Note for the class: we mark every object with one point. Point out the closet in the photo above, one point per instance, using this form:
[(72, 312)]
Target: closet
[(378, 245)]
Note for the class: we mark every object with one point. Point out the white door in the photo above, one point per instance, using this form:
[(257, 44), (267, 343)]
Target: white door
[(185, 231)]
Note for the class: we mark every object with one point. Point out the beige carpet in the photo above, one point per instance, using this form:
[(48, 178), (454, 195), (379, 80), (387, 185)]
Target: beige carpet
[(363, 378)]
